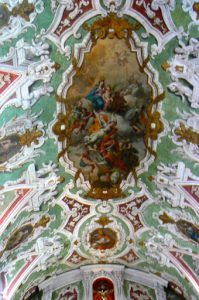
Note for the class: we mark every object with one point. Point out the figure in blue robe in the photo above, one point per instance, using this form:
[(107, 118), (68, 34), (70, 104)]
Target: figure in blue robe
[(193, 234), (95, 96)]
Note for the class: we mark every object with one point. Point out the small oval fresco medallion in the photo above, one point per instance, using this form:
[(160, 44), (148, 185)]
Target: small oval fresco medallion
[(103, 239)]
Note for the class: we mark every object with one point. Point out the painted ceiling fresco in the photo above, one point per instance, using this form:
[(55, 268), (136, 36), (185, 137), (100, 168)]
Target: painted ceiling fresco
[(99, 149)]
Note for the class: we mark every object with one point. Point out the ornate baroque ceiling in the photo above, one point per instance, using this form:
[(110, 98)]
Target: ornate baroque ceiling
[(99, 149)]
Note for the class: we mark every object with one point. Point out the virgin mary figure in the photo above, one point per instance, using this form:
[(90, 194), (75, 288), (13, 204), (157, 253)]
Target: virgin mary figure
[(96, 96)]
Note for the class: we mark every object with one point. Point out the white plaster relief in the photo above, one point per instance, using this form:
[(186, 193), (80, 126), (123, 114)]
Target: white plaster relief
[(16, 24), (115, 273), (187, 6), (26, 153), (151, 8), (184, 134), (170, 180), (32, 63), (185, 66)]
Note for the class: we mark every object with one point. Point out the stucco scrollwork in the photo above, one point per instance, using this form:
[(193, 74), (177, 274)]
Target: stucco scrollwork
[(184, 71)]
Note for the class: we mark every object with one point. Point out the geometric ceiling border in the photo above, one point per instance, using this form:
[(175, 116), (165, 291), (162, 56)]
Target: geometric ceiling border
[(20, 276), (179, 263)]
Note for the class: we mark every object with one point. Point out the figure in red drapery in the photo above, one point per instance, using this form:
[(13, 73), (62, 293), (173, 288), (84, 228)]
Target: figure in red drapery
[(103, 289)]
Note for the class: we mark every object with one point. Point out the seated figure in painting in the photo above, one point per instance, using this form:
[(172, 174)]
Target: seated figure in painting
[(109, 149), (107, 96), (81, 123), (100, 96)]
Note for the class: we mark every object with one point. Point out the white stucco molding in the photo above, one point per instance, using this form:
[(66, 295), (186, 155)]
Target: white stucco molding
[(116, 273), (150, 280)]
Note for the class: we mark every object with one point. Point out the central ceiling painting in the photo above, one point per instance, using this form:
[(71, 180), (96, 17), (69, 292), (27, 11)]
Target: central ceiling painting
[(109, 108)]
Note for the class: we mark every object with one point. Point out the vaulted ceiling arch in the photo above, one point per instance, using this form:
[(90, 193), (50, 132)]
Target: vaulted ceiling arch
[(99, 148)]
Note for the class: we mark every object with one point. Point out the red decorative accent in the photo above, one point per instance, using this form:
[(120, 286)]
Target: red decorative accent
[(70, 17), (176, 288), (103, 289), (8, 62), (20, 195), (33, 291), (138, 292), (13, 96), (179, 258), (155, 18), (75, 258), (21, 272), (137, 224), (7, 79), (130, 257), (78, 211), (135, 203), (68, 294), (193, 190), (127, 209), (3, 282)]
